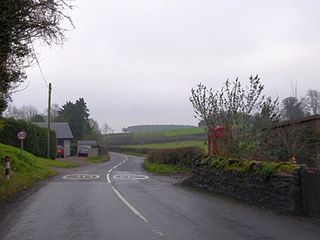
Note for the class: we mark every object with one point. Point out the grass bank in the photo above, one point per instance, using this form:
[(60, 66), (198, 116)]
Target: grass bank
[(163, 168), (99, 159), (24, 171)]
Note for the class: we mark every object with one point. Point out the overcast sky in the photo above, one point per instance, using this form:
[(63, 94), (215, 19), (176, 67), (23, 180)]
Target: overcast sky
[(135, 61)]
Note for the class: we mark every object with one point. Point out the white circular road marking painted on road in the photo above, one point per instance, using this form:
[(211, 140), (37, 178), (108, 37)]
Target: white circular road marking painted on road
[(81, 176), (130, 177)]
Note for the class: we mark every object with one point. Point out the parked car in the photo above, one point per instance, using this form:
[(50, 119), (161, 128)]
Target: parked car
[(84, 151), (60, 151)]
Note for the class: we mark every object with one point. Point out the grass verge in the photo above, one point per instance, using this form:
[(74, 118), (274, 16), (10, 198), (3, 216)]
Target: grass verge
[(24, 171), (99, 159), (135, 154), (163, 168)]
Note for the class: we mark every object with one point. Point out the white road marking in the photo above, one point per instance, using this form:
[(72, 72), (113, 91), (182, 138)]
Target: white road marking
[(158, 232), (124, 200), (130, 177), (132, 208), (81, 176)]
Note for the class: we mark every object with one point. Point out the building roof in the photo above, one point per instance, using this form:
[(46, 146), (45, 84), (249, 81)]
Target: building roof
[(299, 120), (62, 129), (88, 142)]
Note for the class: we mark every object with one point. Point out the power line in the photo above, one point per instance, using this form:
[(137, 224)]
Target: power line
[(40, 69), (57, 95)]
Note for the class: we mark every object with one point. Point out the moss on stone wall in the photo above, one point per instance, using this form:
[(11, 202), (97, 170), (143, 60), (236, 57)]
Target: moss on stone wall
[(249, 166)]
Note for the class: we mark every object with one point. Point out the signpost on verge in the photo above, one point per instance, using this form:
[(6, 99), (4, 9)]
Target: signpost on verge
[(21, 136)]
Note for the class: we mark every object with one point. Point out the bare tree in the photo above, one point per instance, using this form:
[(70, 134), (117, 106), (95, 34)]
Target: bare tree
[(94, 125), (106, 128), (312, 101), (292, 109), (241, 110), (25, 112)]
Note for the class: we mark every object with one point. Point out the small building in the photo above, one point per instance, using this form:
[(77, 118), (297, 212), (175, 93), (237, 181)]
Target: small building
[(291, 130), (63, 134)]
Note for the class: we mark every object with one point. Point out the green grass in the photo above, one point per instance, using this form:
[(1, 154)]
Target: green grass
[(135, 154), (170, 133), (179, 144), (154, 136), (59, 163), (183, 131), (163, 168), (24, 172), (99, 159)]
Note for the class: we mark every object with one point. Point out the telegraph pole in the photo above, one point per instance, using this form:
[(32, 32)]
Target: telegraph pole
[(49, 116)]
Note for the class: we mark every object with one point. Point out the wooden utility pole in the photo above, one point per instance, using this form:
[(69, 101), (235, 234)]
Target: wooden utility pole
[(49, 116)]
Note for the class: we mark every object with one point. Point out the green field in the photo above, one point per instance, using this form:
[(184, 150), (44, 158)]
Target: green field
[(177, 135), (179, 144), (174, 133), (24, 171)]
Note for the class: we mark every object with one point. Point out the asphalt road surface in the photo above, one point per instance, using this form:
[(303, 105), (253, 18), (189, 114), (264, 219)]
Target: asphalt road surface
[(119, 200)]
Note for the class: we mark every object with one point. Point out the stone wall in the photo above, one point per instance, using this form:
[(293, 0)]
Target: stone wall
[(280, 192)]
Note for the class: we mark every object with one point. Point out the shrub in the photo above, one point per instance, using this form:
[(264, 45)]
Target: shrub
[(36, 141), (182, 156)]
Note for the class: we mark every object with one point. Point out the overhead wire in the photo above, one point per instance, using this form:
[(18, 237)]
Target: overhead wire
[(40, 69)]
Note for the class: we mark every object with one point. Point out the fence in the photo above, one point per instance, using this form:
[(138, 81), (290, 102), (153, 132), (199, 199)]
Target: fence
[(311, 191)]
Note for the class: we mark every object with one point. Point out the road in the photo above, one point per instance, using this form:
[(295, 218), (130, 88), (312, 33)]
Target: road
[(121, 201)]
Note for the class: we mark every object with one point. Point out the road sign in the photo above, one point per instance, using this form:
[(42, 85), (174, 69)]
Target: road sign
[(21, 135)]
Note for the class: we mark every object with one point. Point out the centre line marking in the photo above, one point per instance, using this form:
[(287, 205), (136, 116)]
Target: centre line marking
[(132, 208), (158, 232), (108, 178)]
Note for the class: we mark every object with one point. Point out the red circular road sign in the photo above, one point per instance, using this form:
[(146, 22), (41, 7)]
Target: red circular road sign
[(21, 135)]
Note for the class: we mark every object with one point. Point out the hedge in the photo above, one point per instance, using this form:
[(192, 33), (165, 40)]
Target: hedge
[(176, 156), (36, 141)]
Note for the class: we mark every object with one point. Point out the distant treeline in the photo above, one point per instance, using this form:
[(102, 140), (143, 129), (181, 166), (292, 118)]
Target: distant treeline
[(153, 128)]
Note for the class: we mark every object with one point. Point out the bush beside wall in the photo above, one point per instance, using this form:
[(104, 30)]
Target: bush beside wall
[(176, 156)]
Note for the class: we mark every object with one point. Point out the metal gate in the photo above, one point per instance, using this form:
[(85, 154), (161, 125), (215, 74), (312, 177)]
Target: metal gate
[(311, 192)]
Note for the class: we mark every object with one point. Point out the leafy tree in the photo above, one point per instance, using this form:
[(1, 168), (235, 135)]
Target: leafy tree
[(77, 115), (292, 108), (22, 22), (312, 101)]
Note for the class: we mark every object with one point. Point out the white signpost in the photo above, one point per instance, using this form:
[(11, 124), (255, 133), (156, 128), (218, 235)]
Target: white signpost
[(21, 136)]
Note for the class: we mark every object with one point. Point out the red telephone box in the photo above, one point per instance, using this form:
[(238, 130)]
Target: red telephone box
[(213, 135)]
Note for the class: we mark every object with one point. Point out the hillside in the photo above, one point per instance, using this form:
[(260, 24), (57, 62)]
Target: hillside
[(145, 142), (153, 128), (24, 172), (175, 135)]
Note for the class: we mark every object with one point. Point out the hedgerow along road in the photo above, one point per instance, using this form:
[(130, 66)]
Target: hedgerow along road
[(119, 200)]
